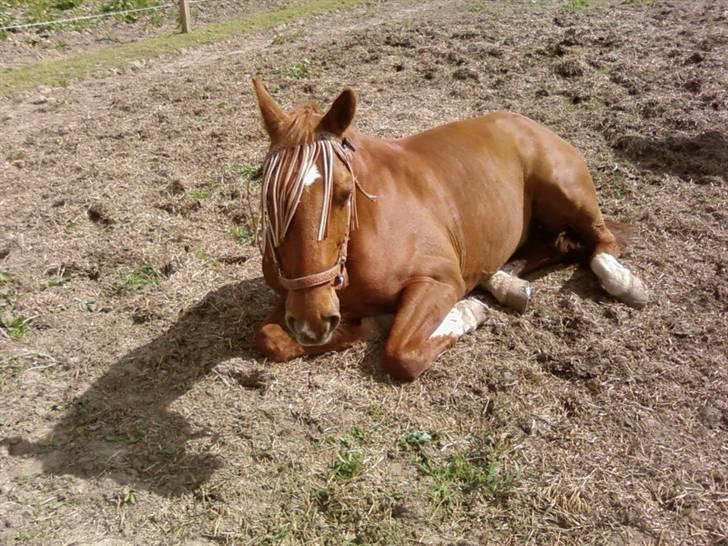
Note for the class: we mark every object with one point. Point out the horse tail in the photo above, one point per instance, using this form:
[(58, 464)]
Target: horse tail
[(624, 233)]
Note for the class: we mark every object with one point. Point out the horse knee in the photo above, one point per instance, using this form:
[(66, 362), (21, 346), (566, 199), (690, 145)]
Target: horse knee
[(404, 365)]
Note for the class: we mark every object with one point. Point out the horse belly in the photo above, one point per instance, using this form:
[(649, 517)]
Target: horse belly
[(499, 226)]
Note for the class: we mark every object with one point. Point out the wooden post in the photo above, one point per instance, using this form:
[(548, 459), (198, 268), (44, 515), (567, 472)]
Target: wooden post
[(184, 15)]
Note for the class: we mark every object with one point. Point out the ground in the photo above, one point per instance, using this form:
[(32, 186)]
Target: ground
[(135, 409)]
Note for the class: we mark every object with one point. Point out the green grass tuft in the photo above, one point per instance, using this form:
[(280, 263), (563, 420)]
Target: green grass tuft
[(141, 278), (298, 71), (480, 470), (246, 170), (242, 234), (416, 438), (349, 463), (198, 194), (18, 327)]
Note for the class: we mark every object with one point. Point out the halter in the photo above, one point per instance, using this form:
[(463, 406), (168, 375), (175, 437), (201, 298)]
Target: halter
[(286, 197)]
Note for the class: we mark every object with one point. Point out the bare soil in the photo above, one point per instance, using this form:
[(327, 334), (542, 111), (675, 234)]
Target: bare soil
[(136, 411)]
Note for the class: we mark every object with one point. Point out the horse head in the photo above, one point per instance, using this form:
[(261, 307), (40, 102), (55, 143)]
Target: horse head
[(308, 209)]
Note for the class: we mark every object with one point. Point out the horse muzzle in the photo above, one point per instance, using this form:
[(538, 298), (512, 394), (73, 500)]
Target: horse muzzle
[(312, 315), (311, 334)]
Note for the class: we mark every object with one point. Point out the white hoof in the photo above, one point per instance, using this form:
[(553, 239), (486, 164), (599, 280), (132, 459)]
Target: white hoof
[(618, 281), (509, 290), (465, 316)]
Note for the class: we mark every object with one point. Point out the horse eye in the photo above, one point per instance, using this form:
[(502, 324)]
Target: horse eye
[(341, 197)]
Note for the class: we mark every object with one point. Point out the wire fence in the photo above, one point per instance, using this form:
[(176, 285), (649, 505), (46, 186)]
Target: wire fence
[(96, 16)]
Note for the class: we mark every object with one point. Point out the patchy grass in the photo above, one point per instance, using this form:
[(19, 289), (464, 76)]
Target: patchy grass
[(6, 279), (140, 278), (58, 277), (245, 171), (90, 306), (199, 194), (416, 438), (298, 71), (281, 39), (579, 4), (348, 464), (481, 469), (60, 72), (242, 234), (18, 327), (9, 369), (16, 154)]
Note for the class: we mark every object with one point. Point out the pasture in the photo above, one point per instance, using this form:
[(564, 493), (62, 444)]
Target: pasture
[(135, 410)]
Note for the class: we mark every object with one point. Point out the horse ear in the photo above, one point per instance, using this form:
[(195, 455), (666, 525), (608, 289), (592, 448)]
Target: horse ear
[(273, 115), (337, 120)]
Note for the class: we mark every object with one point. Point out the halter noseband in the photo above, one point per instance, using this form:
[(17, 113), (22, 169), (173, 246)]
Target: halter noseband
[(336, 275)]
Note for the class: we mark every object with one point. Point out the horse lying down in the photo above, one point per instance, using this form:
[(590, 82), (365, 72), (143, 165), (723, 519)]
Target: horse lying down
[(356, 227)]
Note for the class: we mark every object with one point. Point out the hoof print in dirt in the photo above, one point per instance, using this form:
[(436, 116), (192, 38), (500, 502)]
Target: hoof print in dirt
[(142, 316), (232, 260), (255, 379), (98, 215), (175, 187), (569, 69), (463, 74)]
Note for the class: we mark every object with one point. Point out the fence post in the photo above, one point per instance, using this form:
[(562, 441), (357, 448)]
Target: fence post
[(184, 14)]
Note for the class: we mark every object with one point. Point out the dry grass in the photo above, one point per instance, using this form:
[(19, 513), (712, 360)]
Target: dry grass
[(145, 416)]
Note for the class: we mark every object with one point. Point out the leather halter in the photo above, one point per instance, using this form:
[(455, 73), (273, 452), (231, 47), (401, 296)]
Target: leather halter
[(336, 275)]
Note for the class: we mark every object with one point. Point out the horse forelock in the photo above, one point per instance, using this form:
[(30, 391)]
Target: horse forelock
[(300, 127), (284, 180)]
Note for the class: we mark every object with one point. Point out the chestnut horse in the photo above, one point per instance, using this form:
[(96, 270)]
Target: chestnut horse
[(356, 227)]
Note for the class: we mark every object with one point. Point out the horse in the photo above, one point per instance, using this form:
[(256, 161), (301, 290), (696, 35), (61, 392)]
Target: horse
[(356, 227)]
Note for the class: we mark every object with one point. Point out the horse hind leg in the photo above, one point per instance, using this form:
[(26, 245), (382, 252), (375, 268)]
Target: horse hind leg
[(541, 250), (508, 289), (618, 281)]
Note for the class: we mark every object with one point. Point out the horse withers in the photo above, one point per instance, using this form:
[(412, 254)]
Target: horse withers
[(357, 227)]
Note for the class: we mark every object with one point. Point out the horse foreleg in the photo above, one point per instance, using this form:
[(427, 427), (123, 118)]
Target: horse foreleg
[(274, 341), (508, 289), (429, 320)]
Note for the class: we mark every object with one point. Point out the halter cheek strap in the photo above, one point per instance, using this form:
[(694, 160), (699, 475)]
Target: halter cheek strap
[(335, 275)]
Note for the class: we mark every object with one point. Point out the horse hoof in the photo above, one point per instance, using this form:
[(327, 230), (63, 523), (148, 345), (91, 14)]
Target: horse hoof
[(637, 295), (519, 297), (618, 281)]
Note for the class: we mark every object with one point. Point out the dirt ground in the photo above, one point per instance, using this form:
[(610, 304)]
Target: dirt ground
[(134, 409)]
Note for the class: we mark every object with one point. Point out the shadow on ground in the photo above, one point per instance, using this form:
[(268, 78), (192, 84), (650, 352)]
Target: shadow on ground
[(122, 427), (701, 155)]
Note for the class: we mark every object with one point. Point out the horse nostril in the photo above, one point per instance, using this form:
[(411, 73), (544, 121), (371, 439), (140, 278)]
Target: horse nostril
[(332, 321)]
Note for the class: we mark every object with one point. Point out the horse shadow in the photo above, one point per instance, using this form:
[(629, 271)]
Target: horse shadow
[(702, 155), (122, 426)]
